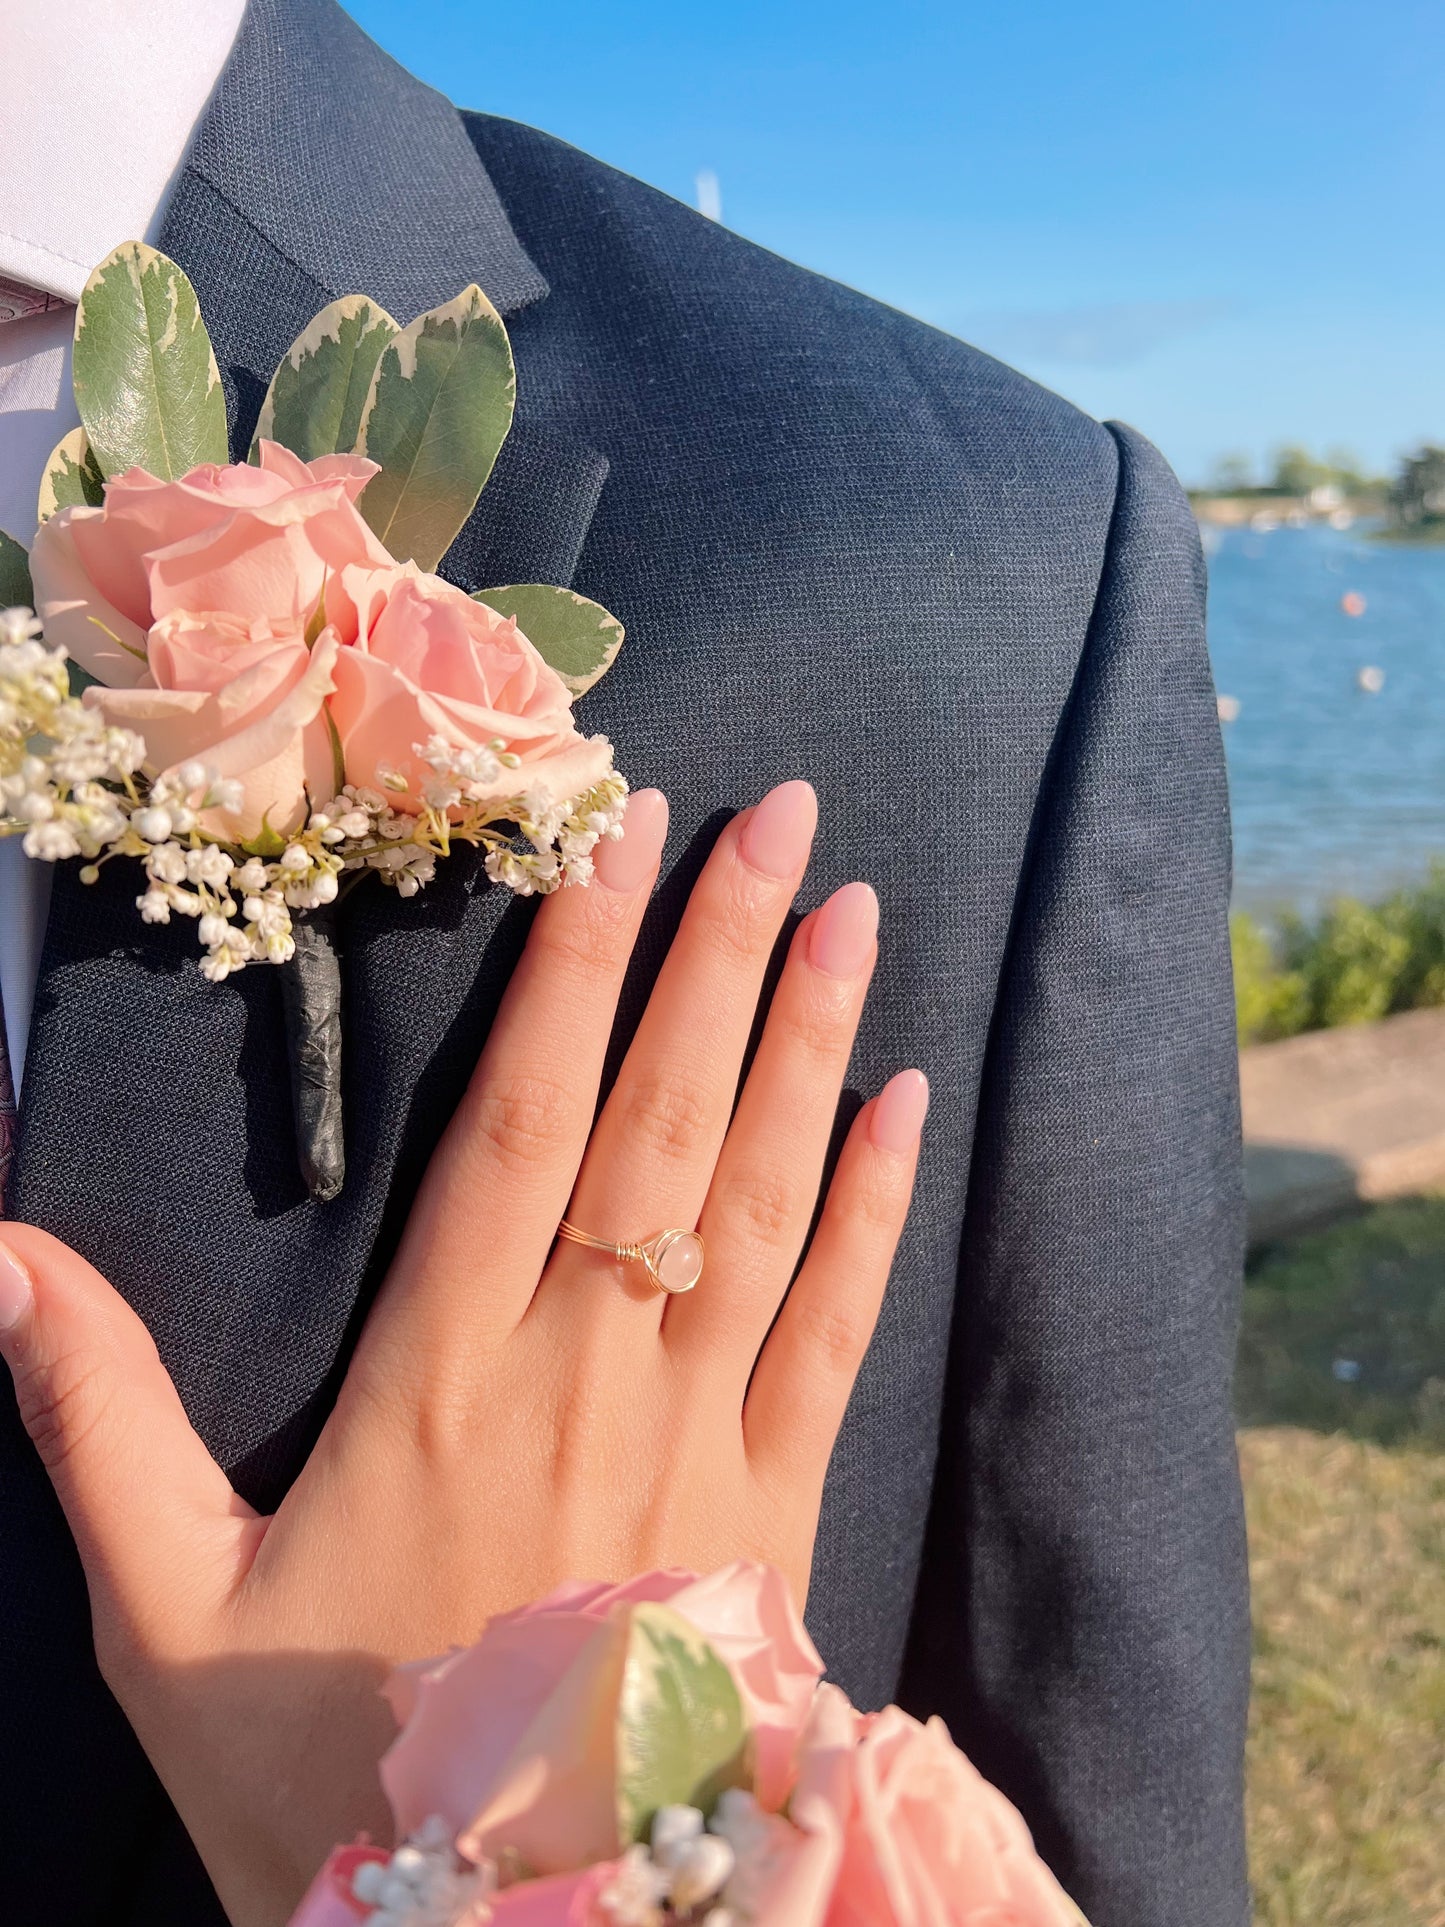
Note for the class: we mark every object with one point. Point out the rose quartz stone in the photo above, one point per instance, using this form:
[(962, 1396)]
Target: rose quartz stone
[(680, 1266)]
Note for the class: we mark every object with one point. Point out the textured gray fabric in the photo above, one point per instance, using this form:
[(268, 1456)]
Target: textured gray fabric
[(847, 547), (343, 161), (1087, 1462)]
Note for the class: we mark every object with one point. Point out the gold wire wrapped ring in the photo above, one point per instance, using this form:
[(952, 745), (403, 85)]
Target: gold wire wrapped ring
[(674, 1259)]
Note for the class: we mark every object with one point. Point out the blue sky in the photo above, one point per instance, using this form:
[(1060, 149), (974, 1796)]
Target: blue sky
[(1221, 223)]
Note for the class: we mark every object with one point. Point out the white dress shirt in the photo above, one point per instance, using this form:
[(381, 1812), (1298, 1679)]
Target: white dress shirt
[(104, 98)]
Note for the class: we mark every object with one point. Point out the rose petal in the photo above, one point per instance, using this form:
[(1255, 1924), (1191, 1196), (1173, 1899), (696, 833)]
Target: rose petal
[(746, 1613), (265, 727), (352, 471), (566, 1900), (470, 1720), (77, 616), (271, 559)]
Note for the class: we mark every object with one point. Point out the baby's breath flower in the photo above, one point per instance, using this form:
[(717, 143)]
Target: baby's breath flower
[(208, 863), (635, 1895), (167, 863), (424, 1883), (72, 785), (153, 824), (233, 952), (51, 842)]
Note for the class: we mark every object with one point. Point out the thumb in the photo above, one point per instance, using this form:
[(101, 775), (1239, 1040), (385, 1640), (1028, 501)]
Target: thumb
[(144, 1498)]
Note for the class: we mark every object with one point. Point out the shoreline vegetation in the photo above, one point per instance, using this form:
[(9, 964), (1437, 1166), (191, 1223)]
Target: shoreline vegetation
[(1300, 489), (1352, 964)]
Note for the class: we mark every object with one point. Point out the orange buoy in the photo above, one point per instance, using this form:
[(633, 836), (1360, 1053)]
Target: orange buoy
[(1352, 602)]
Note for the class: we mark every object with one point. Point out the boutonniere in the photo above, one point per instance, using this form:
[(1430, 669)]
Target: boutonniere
[(249, 679)]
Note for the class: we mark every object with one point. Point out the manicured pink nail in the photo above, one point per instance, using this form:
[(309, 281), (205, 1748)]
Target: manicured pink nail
[(899, 1112), (626, 865), (17, 1294), (777, 836), (840, 937)]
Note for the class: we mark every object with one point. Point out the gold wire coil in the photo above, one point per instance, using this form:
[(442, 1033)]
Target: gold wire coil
[(651, 1253)]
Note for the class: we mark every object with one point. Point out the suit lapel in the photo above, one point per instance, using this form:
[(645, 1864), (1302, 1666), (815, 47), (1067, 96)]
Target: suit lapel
[(280, 209), (155, 1130)]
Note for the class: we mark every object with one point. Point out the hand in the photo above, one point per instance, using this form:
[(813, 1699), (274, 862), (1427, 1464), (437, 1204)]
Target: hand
[(517, 1412)]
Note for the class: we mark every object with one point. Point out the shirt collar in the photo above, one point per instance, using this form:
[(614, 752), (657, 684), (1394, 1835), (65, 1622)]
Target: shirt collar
[(114, 94)]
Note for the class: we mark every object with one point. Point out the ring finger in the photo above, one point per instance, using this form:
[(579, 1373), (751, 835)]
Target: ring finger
[(651, 1157)]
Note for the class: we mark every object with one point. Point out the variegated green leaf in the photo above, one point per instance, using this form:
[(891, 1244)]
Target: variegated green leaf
[(577, 638), (72, 478), (682, 1735), (439, 410), (146, 381), (314, 403), (15, 589)]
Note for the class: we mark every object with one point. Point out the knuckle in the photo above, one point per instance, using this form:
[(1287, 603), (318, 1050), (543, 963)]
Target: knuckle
[(518, 1120), (834, 1331), (668, 1117), (589, 943), (743, 918), (422, 1401), (759, 1205), (815, 1022), (875, 1199), (61, 1405)]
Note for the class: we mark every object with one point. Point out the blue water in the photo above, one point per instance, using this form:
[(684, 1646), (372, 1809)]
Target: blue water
[(1333, 790)]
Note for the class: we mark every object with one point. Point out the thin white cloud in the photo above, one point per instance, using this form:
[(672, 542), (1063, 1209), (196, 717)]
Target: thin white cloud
[(1106, 335)]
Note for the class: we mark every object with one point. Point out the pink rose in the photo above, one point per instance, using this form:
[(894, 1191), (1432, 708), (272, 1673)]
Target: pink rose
[(512, 1741), (248, 542), (788, 1868), (511, 1744), (927, 1839), (242, 698), (426, 660)]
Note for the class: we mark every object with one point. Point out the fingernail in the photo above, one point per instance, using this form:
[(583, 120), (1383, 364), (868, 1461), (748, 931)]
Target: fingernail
[(17, 1294), (899, 1112), (840, 937), (777, 836), (625, 865)]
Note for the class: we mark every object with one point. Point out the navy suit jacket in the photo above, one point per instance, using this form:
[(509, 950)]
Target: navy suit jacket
[(844, 546)]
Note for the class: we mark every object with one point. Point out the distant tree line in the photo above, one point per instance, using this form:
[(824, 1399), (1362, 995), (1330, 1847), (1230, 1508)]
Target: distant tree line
[(1417, 494), (1413, 498), (1295, 471)]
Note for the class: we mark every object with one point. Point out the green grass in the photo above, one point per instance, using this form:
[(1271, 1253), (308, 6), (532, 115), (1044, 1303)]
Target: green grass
[(1347, 1727), (1345, 1493), (1370, 1291)]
